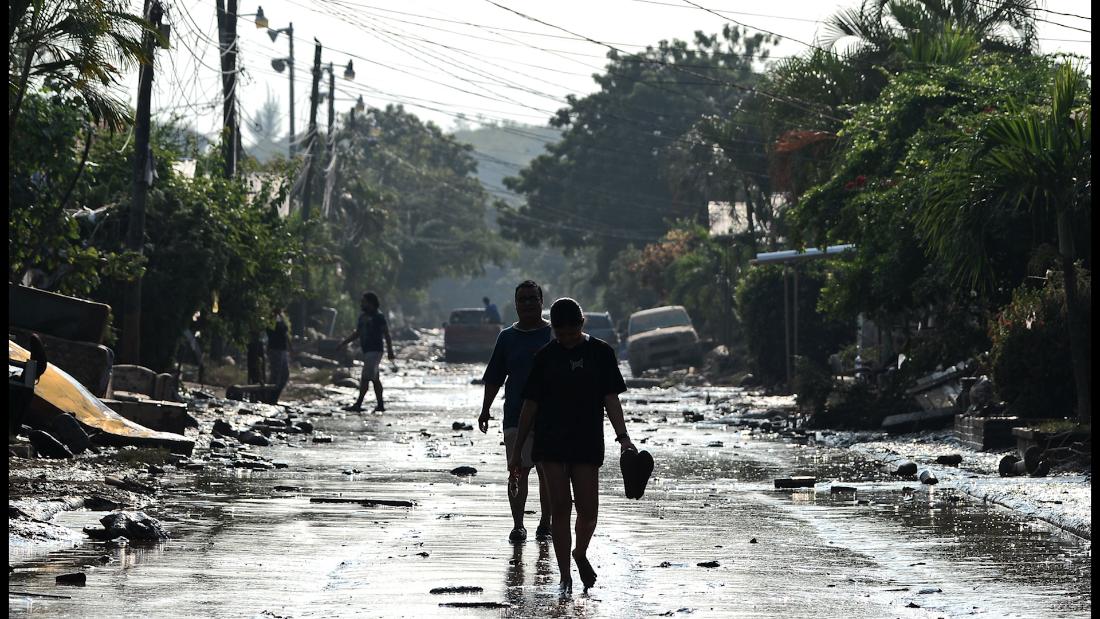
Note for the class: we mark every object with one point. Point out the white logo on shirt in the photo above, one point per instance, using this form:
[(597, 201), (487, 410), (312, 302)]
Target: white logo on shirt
[(579, 363)]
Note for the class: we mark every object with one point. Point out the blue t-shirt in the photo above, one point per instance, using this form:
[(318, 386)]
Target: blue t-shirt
[(513, 356), (492, 314), (371, 327)]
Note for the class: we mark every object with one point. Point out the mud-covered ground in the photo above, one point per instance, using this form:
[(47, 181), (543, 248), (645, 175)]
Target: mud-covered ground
[(247, 541)]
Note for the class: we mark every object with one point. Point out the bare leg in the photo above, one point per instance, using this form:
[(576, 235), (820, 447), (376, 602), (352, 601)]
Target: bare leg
[(561, 508), (363, 380), (586, 478), (378, 391), (544, 497), (519, 501)]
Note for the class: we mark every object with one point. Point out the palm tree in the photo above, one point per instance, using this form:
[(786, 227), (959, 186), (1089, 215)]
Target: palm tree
[(1039, 159), (79, 48), (886, 31)]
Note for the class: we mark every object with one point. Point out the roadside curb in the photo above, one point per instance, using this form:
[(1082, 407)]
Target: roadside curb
[(1079, 527)]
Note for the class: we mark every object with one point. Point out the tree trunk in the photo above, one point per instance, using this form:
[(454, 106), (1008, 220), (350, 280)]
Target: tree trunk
[(1077, 327)]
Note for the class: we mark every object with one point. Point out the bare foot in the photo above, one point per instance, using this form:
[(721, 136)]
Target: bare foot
[(565, 587), (588, 575)]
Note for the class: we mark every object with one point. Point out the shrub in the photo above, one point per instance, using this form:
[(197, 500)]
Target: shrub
[(1030, 357), (759, 307)]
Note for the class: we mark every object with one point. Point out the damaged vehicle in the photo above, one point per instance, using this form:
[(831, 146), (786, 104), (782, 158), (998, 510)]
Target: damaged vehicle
[(661, 337), (469, 336)]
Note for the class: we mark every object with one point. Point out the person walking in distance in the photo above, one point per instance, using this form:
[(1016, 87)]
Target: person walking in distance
[(512, 357), (574, 379), (492, 314), (371, 330), (278, 352)]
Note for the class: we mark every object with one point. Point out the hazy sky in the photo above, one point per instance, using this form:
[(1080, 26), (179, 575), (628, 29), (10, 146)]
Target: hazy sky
[(442, 58)]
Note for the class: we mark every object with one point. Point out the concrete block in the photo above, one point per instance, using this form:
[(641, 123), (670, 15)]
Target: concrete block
[(267, 394), (166, 388), (89, 363), (984, 433), (135, 379), (155, 414), (58, 315)]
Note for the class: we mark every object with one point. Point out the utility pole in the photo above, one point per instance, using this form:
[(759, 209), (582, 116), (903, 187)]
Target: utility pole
[(130, 351), (311, 136), (331, 109), (311, 163), (227, 30), (290, 38)]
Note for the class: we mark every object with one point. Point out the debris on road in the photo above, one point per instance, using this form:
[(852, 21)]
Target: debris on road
[(795, 482), (464, 471)]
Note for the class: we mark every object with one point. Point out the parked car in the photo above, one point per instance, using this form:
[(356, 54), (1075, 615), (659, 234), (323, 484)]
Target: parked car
[(599, 324), (469, 336), (660, 337)]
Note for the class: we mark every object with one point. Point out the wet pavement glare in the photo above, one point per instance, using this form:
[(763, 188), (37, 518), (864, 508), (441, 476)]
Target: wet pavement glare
[(240, 548)]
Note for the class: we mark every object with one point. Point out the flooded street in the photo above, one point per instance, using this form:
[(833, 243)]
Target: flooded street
[(252, 544)]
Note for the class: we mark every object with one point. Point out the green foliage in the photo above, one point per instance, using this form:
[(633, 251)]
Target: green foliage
[(604, 184), (759, 294), (208, 244), (1030, 358), (408, 206), (81, 49), (46, 173)]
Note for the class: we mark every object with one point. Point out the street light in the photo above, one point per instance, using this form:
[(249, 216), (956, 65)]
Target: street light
[(282, 63), (349, 73), (359, 105), (261, 21)]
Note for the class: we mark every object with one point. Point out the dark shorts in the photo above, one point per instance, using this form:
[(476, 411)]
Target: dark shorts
[(573, 448)]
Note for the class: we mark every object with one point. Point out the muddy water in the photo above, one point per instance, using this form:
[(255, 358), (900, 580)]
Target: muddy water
[(242, 549)]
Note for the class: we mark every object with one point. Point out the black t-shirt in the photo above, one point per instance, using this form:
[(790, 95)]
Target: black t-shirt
[(569, 386), (277, 337)]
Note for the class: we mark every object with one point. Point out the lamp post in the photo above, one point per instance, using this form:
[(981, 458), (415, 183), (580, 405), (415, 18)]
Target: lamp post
[(279, 64)]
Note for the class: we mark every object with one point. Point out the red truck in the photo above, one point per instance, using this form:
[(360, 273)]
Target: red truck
[(469, 336)]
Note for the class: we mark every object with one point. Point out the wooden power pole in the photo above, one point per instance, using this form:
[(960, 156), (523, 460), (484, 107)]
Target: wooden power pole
[(227, 42), (130, 350)]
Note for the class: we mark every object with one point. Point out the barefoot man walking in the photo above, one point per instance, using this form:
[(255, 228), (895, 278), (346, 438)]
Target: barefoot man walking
[(513, 355)]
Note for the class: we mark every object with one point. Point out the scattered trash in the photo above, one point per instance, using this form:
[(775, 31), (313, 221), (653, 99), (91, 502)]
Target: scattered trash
[(76, 579), (464, 471), (752, 541), (134, 526), (795, 482), (949, 460), (458, 425), (459, 589), (362, 501), (708, 564), (927, 477), (906, 468), (476, 604)]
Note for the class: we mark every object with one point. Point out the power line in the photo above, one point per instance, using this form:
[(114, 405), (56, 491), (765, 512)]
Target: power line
[(804, 105)]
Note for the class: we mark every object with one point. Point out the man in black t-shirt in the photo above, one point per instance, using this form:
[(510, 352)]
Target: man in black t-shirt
[(371, 329), (573, 380)]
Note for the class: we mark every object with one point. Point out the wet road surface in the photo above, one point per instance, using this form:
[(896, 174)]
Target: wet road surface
[(240, 548)]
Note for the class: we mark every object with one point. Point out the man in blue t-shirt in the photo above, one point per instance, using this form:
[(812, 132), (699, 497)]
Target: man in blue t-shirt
[(513, 355), (492, 314), (370, 329)]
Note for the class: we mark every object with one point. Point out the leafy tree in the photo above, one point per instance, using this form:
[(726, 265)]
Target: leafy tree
[(210, 246), (45, 205), (409, 205), (1036, 159), (603, 185)]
